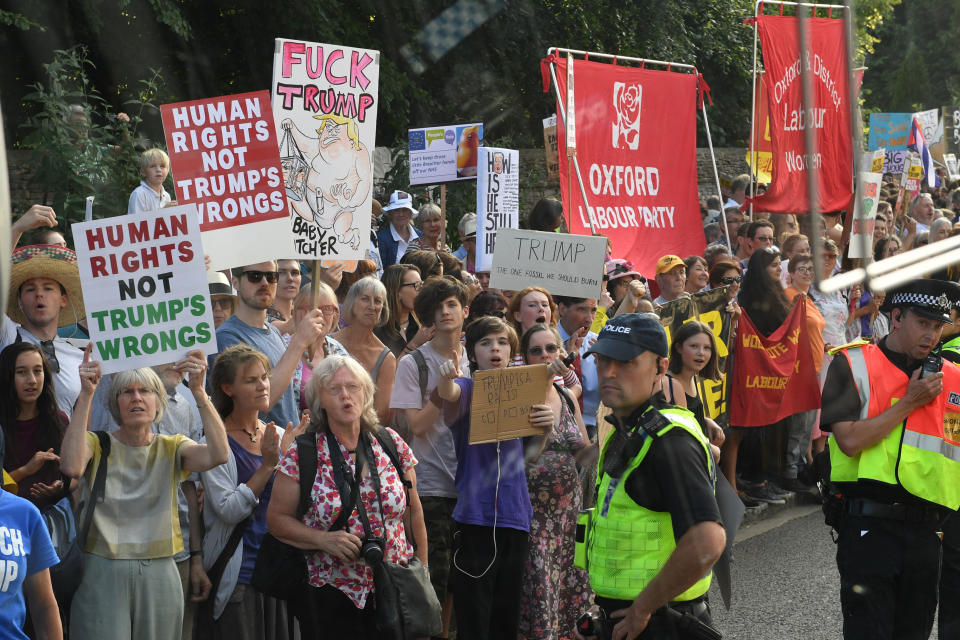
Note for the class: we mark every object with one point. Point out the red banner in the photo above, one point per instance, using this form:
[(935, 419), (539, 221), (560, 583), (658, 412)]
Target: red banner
[(829, 117), (226, 158), (773, 377), (636, 147)]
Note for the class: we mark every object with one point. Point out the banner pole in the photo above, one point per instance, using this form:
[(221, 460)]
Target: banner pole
[(563, 116), (716, 176), (753, 115), (443, 216), (809, 138), (856, 128)]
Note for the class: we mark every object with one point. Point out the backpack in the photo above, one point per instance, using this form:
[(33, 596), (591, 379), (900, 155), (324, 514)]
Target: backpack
[(399, 420)]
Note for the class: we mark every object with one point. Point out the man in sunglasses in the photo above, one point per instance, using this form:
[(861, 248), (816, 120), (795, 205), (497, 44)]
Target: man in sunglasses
[(256, 287)]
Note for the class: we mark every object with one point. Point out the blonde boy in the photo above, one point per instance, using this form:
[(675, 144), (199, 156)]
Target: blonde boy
[(150, 195)]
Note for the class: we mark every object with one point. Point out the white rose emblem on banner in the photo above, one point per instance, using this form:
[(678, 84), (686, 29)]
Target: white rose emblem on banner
[(626, 103)]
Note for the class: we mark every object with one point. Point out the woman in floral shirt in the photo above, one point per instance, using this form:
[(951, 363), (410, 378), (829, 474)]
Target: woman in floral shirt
[(340, 602)]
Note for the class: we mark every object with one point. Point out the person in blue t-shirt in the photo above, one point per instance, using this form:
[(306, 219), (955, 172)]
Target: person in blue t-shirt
[(26, 555), (493, 511)]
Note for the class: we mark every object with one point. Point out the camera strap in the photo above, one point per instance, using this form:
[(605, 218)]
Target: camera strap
[(347, 484)]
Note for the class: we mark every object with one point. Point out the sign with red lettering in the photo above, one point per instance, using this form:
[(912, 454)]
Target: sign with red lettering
[(636, 149), (224, 158), (145, 287), (325, 104), (773, 377), (829, 116)]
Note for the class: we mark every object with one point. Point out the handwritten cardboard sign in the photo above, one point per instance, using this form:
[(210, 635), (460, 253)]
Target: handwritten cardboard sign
[(223, 152), (889, 130), (501, 402), (325, 101), (444, 153), (145, 287), (564, 264)]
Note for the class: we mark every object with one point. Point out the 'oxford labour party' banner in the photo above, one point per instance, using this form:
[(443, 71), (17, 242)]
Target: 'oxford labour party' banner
[(636, 148), (325, 104), (829, 117)]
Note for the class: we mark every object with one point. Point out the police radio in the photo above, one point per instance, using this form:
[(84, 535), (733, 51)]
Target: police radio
[(932, 364)]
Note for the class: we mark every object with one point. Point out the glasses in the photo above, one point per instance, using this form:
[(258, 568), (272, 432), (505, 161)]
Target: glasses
[(538, 351), (335, 390), (328, 309), (470, 279), (50, 353), (416, 285), (731, 279), (257, 276), (804, 269)]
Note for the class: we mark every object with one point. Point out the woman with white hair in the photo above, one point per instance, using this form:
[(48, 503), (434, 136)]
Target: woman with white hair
[(131, 587), (429, 224), (364, 309), (940, 229), (338, 600)]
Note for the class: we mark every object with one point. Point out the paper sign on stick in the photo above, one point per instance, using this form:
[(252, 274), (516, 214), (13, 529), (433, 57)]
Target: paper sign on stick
[(564, 264), (145, 287), (501, 402), (864, 214), (498, 199), (953, 168), (325, 103), (894, 162), (444, 153), (223, 153), (889, 130), (550, 146)]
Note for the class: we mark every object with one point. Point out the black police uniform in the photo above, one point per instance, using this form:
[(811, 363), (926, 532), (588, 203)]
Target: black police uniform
[(888, 548)]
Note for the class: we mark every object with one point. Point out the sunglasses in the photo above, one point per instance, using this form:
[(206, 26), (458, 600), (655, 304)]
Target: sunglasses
[(257, 276), (416, 285), (731, 279), (538, 351)]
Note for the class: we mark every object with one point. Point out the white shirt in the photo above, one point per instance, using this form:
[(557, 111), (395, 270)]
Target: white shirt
[(144, 198), (401, 243), (589, 381)]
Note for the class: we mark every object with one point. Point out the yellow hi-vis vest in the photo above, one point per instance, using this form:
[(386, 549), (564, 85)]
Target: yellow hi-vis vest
[(627, 545), (921, 454), (952, 346)]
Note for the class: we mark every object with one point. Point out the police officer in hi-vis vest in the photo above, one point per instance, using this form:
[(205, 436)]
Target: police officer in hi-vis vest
[(948, 624), (894, 413), (655, 532)]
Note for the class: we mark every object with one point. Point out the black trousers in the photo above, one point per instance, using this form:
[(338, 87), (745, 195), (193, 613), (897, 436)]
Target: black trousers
[(487, 607), (949, 623), (660, 626), (326, 612), (889, 572)]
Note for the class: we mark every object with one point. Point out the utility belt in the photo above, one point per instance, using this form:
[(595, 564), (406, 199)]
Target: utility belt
[(897, 511)]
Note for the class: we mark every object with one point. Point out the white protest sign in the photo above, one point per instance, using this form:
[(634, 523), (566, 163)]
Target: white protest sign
[(930, 125), (895, 162), (873, 161), (444, 153), (498, 199), (145, 287), (550, 147), (325, 103), (953, 168), (565, 264), (864, 214)]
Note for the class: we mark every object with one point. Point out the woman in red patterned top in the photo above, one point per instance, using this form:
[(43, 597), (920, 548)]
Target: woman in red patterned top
[(339, 602)]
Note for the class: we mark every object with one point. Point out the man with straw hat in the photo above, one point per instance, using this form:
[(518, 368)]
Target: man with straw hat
[(45, 294)]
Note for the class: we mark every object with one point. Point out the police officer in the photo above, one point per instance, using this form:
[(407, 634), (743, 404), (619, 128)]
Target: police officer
[(948, 624), (889, 408), (655, 532)]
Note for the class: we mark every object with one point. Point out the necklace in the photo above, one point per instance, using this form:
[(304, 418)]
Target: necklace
[(253, 436)]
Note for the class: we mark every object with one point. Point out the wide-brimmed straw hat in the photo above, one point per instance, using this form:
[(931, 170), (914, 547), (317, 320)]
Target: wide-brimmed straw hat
[(47, 261)]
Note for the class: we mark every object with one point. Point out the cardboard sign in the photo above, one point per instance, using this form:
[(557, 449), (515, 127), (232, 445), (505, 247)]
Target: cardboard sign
[(895, 161), (145, 287), (914, 174), (501, 402), (865, 214), (325, 103), (223, 154), (564, 264), (873, 161), (889, 130), (550, 146), (498, 199), (444, 153)]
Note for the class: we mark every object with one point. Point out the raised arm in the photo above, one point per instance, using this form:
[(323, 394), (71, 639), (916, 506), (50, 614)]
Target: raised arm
[(200, 457), (309, 329), (75, 453), (36, 216)]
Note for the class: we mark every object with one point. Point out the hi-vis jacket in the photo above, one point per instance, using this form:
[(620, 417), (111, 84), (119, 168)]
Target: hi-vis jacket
[(921, 454)]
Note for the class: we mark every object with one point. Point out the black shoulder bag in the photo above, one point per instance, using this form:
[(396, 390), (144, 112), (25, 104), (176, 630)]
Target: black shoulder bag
[(281, 569), (406, 603)]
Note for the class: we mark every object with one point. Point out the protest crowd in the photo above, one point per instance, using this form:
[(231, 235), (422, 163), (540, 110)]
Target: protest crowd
[(323, 454)]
